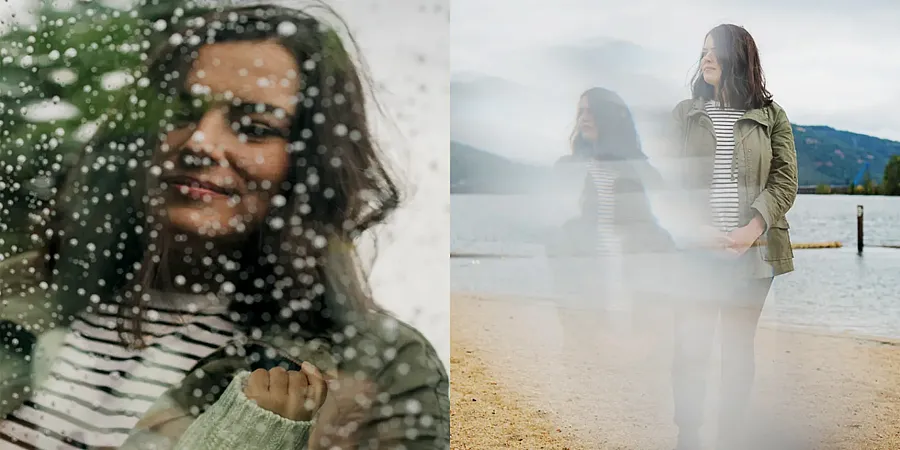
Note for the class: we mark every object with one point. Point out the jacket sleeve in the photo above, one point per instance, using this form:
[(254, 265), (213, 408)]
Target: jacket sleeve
[(411, 407), (673, 135), (782, 183), (25, 315), (16, 346), (232, 422), (636, 224)]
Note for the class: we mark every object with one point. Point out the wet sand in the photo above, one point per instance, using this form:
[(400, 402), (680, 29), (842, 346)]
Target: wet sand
[(611, 391)]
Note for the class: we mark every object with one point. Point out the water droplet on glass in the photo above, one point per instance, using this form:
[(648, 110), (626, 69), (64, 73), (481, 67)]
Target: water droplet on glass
[(176, 39), (287, 28)]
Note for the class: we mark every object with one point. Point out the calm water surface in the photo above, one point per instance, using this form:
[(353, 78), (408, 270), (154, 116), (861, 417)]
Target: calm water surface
[(833, 289)]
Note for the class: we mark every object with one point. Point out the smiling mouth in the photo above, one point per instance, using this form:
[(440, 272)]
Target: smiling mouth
[(197, 188)]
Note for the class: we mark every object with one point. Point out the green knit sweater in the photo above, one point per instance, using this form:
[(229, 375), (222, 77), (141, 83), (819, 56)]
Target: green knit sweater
[(225, 425)]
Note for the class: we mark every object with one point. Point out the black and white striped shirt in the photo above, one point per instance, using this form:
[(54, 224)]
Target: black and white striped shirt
[(603, 178), (723, 193), (98, 389)]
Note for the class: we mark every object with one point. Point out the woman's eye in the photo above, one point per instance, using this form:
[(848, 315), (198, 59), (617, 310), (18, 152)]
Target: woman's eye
[(258, 131)]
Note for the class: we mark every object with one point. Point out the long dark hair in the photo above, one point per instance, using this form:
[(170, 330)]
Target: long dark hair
[(742, 83), (617, 135), (300, 272)]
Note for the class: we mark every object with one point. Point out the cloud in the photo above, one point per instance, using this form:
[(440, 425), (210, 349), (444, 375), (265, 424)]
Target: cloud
[(827, 62)]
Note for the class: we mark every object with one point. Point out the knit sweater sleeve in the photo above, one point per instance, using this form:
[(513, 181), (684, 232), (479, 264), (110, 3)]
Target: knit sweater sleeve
[(233, 422), (236, 422)]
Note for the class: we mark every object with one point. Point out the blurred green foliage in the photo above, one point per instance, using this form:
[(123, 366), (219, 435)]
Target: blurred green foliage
[(892, 176), (59, 78)]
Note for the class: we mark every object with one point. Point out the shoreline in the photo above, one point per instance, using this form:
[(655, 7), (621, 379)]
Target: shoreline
[(787, 328), (800, 246), (838, 389)]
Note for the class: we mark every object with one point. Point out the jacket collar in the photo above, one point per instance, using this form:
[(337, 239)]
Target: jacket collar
[(758, 115)]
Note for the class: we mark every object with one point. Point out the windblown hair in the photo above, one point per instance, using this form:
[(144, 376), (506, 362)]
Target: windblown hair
[(300, 271), (617, 134), (742, 84)]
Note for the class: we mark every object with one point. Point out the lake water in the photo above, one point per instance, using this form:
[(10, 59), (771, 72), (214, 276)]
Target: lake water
[(831, 289)]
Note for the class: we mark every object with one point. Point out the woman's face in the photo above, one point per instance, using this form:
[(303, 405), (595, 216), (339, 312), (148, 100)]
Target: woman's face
[(709, 65), (587, 127), (226, 157)]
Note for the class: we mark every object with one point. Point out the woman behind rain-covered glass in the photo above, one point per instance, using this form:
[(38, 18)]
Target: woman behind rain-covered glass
[(198, 286), (595, 256)]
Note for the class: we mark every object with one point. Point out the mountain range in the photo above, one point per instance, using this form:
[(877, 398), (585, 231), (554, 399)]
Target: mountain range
[(824, 156), (503, 132)]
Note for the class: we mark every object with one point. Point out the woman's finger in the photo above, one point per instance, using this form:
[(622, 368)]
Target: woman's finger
[(257, 383), (317, 388), (278, 382), (297, 393)]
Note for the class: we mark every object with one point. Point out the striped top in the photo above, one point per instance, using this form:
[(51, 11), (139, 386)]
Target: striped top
[(723, 193), (603, 179), (98, 389)]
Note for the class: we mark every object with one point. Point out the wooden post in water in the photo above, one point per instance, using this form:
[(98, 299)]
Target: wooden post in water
[(859, 229)]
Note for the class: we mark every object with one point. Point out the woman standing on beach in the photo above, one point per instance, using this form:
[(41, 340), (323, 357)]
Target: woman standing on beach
[(198, 287), (739, 175), (616, 223)]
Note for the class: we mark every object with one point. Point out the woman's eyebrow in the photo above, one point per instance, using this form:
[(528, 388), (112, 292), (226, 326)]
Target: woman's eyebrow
[(245, 106), (263, 108)]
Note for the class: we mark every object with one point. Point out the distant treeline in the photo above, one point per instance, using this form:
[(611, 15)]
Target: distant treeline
[(474, 170), (890, 183)]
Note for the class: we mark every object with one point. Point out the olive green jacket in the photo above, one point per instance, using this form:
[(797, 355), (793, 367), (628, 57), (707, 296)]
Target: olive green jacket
[(764, 166), (208, 410)]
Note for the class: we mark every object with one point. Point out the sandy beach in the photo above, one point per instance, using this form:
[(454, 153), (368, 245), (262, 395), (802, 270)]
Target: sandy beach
[(515, 385)]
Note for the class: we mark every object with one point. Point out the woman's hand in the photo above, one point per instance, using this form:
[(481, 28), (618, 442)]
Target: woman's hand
[(294, 395), (712, 238), (744, 237)]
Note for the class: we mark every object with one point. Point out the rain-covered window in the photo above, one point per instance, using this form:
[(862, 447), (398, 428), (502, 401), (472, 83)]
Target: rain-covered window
[(193, 194)]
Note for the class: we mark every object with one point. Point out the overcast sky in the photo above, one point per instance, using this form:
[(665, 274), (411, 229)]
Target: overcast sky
[(827, 62)]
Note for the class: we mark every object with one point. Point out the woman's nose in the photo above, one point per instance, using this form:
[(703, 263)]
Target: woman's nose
[(208, 138)]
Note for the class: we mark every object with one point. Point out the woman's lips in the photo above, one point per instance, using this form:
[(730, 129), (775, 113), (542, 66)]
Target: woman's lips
[(198, 189), (197, 193)]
